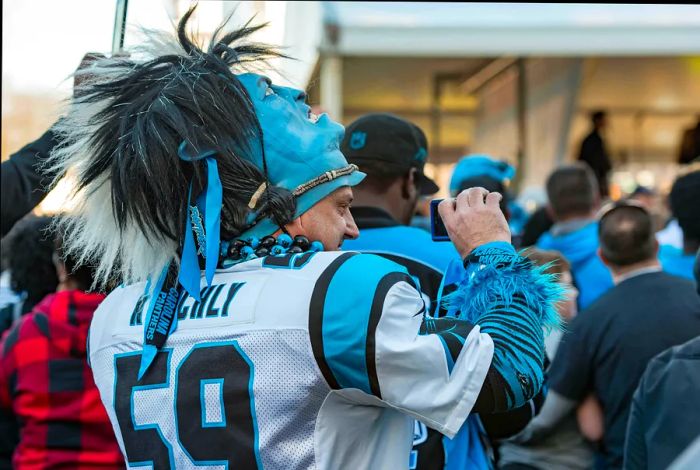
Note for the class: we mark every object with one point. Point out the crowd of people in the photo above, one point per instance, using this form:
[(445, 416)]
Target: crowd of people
[(244, 284)]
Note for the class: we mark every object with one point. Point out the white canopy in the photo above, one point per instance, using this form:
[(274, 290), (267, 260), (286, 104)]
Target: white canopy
[(473, 29)]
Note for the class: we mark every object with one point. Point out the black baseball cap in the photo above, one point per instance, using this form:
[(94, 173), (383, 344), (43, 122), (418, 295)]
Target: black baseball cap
[(382, 143)]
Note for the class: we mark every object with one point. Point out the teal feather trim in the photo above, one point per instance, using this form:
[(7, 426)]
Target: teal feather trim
[(486, 287)]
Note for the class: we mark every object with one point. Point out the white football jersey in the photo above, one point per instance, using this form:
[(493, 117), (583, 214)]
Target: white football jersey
[(307, 361)]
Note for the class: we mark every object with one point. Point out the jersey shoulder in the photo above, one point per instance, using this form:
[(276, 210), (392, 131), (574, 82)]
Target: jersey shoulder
[(348, 301), (357, 268)]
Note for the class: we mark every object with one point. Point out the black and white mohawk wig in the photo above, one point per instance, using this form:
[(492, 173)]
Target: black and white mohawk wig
[(121, 138)]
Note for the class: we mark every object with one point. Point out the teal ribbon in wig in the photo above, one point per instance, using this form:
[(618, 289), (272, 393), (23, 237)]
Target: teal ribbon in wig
[(209, 203), (161, 316)]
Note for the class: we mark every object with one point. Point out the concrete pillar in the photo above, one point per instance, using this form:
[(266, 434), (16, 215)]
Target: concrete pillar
[(332, 86)]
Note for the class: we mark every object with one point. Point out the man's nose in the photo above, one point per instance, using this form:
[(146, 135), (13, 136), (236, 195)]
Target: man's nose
[(351, 230)]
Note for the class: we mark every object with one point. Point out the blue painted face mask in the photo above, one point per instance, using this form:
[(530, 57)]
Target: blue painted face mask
[(301, 155), (473, 166), (299, 147)]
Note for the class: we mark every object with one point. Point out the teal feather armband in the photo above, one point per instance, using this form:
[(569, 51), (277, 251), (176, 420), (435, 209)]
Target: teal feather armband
[(514, 302), (495, 275)]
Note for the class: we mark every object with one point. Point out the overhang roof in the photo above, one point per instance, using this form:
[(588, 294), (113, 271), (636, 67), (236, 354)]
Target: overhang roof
[(474, 29)]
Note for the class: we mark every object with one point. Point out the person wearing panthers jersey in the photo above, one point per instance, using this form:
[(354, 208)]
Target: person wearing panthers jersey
[(240, 337)]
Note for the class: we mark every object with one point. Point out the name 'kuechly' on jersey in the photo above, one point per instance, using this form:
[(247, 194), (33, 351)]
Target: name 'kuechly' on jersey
[(324, 349)]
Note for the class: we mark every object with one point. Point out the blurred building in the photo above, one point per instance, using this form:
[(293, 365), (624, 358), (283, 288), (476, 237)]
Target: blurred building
[(519, 80)]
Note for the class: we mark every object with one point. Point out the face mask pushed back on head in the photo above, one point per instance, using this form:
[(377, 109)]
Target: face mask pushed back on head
[(177, 149), (298, 146), (175, 127)]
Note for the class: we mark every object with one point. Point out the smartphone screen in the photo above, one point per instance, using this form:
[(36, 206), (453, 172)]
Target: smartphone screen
[(437, 226)]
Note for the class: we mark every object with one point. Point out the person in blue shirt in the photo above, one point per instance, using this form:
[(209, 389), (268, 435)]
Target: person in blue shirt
[(573, 200), (392, 152), (685, 206), (494, 175)]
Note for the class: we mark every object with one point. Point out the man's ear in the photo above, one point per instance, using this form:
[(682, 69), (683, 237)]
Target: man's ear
[(408, 184), (295, 227)]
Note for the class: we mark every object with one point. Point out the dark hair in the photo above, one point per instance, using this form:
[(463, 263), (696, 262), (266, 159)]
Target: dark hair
[(380, 176), (30, 249), (154, 107), (572, 190), (685, 204), (597, 116), (539, 222), (491, 185), (626, 235)]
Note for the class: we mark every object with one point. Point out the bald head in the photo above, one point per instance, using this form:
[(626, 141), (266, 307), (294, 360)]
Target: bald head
[(627, 236)]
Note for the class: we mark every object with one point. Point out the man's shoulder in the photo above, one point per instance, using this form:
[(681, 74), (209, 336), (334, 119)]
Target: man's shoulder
[(355, 279), (592, 137), (360, 266), (33, 326), (632, 296), (659, 281), (310, 266), (674, 281)]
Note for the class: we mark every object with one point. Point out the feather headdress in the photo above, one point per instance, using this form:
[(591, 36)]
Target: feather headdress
[(121, 137)]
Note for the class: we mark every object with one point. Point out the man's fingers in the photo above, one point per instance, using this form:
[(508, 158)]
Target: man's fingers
[(475, 196), (493, 199), (446, 209), (462, 199)]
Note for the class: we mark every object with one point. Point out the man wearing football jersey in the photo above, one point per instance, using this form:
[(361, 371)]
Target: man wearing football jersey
[(239, 337)]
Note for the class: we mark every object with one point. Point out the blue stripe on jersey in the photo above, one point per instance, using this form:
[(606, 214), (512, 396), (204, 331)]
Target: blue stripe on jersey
[(452, 333), (352, 297)]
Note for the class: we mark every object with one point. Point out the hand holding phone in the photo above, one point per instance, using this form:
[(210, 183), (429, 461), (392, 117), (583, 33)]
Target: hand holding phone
[(472, 219)]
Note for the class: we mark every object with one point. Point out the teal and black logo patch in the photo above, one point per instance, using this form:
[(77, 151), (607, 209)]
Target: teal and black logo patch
[(358, 140)]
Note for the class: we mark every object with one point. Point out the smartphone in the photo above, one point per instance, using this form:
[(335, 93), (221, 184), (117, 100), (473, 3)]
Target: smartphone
[(437, 226)]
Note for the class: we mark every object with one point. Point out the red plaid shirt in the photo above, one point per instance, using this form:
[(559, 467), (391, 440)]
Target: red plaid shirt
[(46, 383)]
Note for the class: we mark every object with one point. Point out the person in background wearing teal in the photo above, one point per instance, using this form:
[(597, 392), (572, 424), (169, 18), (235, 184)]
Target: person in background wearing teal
[(685, 206), (494, 175), (573, 201)]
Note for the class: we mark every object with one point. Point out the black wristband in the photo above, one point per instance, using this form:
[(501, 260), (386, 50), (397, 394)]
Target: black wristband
[(495, 257)]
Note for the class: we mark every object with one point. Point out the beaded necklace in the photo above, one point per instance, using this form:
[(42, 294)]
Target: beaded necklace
[(238, 251)]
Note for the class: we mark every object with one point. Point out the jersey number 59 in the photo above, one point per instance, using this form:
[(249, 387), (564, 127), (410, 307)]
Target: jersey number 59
[(211, 404)]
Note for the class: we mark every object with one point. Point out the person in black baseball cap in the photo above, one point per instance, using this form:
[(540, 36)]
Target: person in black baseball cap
[(392, 152)]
